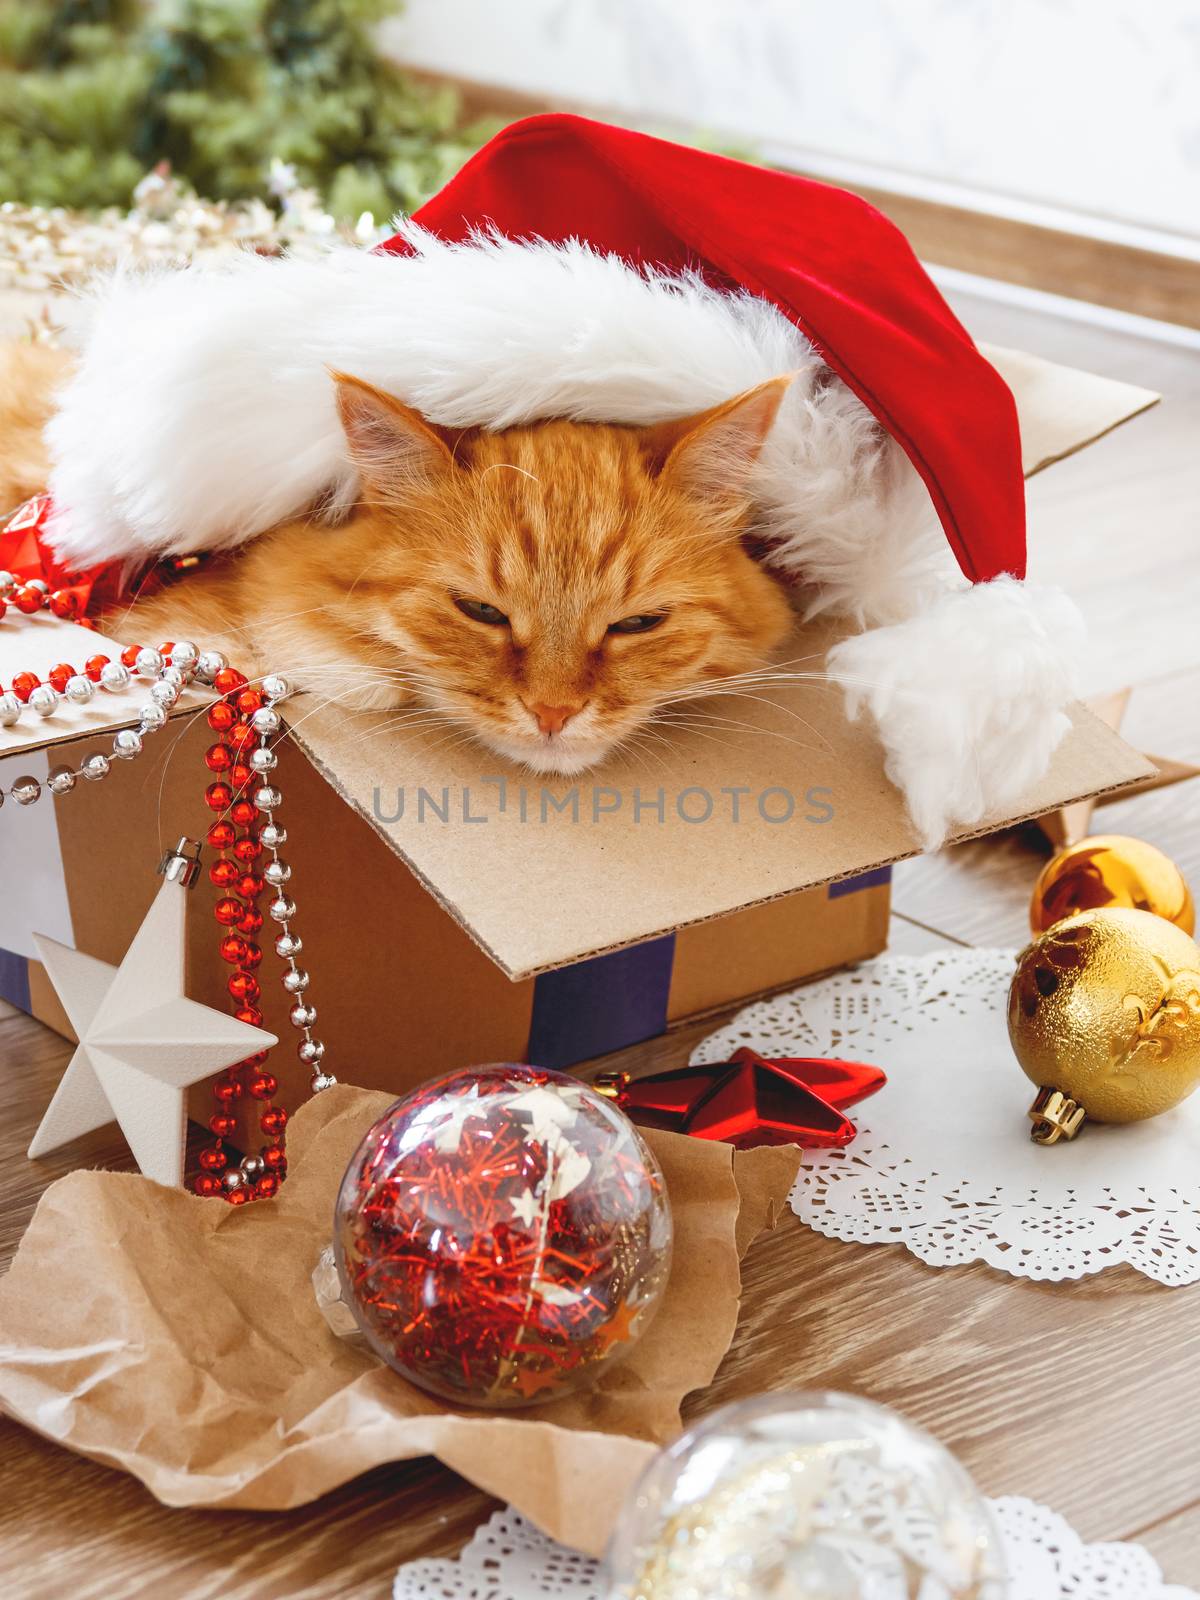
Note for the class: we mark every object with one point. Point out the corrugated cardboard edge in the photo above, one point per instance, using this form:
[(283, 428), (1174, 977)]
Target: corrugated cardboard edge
[(1061, 455), (192, 703), (519, 974)]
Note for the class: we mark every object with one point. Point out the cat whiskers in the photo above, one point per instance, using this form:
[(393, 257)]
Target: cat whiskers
[(747, 686), (758, 677), (636, 743), (710, 725), (744, 686), (417, 718)]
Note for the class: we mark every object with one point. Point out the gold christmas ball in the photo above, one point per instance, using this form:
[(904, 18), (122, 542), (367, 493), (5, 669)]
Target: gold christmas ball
[(1106, 871), (1104, 1016)]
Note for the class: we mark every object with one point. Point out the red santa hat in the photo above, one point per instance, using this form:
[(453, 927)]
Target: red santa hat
[(574, 269), (831, 263)]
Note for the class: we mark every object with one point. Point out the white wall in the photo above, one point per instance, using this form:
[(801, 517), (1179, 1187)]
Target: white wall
[(1091, 105)]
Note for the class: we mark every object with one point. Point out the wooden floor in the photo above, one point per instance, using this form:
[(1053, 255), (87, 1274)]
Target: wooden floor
[(1085, 1396)]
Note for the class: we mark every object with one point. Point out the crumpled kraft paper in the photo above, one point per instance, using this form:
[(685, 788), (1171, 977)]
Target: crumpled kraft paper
[(180, 1340)]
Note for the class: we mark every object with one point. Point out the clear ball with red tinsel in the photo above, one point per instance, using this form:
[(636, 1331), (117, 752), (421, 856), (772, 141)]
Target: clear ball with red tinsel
[(503, 1235)]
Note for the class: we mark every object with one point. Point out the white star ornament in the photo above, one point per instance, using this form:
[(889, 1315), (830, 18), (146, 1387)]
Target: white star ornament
[(142, 1043)]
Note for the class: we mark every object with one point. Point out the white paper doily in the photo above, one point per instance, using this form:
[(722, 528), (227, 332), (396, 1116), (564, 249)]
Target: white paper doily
[(943, 1162), (1045, 1558)]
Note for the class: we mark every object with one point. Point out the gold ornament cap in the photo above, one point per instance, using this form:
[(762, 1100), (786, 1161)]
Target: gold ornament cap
[(612, 1085), (1054, 1116)]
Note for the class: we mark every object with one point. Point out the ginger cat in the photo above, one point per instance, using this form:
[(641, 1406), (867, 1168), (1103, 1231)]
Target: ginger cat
[(548, 588)]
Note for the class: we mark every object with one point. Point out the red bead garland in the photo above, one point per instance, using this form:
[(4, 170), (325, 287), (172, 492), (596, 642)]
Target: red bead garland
[(235, 836)]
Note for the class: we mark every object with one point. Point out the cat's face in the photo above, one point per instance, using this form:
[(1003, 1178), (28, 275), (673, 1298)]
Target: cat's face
[(550, 587)]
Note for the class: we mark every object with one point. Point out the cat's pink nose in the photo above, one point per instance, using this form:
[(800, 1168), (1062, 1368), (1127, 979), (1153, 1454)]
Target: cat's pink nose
[(553, 719)]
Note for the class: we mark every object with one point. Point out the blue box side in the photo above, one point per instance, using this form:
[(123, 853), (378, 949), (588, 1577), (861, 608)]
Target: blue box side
[(14, 980), (601, 1004)]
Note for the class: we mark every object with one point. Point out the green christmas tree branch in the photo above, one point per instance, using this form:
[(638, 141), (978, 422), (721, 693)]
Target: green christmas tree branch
[(95, 92)]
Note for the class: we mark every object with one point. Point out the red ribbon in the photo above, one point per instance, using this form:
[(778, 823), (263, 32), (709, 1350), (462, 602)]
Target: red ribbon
[(25, 553)]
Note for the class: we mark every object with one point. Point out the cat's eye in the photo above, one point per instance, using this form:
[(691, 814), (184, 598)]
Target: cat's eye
[(480, 611), (641, 623)]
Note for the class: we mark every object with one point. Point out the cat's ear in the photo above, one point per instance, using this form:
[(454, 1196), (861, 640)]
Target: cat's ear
[(392, 445), (711, 455)]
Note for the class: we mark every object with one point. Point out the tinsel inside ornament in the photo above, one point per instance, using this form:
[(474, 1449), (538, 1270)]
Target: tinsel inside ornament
[(805, 1497), (1111, 870), (502, 1235), (1104, 1016)]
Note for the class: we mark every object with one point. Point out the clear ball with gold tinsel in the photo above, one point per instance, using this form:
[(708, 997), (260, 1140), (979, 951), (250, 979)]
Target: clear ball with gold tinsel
[(1111, 870), (1104, 1016), (502, 1236), (805, 1497)]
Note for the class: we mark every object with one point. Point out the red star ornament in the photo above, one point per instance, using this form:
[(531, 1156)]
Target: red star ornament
[(752, 1099)]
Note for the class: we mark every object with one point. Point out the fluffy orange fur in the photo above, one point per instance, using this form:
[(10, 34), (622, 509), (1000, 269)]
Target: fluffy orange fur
[(548, 588), (29, 376)]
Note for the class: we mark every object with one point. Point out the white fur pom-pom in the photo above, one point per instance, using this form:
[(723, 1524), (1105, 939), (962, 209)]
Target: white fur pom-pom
[(968, 697)]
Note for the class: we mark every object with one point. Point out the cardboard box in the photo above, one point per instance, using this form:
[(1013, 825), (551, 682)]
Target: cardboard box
[(453, 911)]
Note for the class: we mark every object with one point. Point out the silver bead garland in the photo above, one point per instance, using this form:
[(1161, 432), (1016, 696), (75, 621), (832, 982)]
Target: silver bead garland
[(208, 664), (273, 836), (44, 700), (115, 678)]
